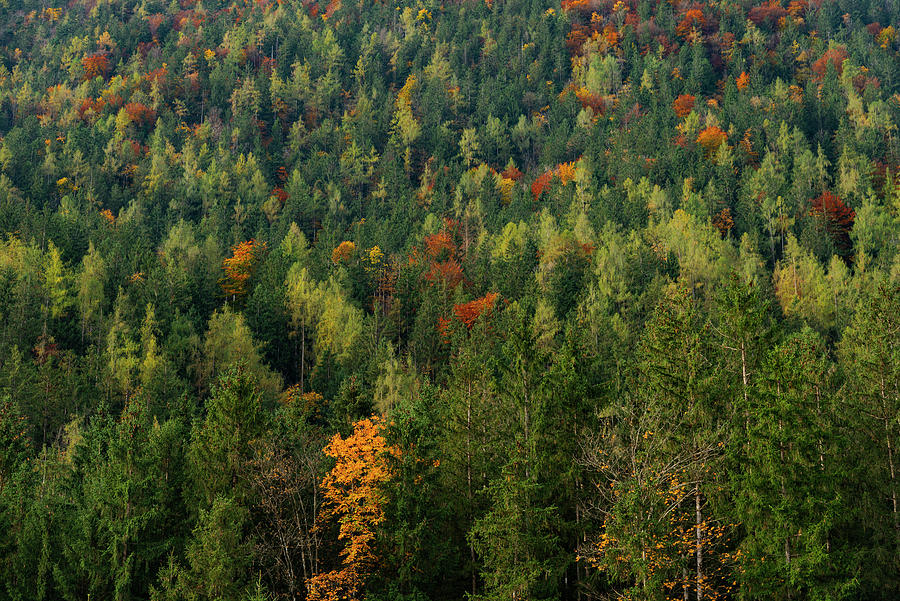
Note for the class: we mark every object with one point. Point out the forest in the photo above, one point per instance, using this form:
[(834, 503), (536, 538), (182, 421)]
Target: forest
[(449, 300)]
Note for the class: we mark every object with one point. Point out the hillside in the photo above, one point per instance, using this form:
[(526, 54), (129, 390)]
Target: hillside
[(487, 299)]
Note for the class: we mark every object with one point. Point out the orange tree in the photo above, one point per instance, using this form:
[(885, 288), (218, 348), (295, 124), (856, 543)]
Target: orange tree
[(240, 265), (354, 496)]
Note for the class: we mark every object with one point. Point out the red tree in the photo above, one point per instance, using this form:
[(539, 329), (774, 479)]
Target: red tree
[(837, 217)]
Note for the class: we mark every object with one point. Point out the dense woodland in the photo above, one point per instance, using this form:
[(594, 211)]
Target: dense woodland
[(425, 301)]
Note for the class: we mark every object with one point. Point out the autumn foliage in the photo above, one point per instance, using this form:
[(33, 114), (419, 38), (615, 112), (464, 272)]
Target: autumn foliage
[(468, 313), (711, 138), (353, 497), (834, 56), (541, 183), (769, 13), (564, 171), (95, 65), (139, 113), (683, 105), (343, 252), (692, 19), (837, 216), (240, 265)]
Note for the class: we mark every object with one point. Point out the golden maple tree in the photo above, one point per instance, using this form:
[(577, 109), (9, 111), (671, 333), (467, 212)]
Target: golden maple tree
[(354, 497)]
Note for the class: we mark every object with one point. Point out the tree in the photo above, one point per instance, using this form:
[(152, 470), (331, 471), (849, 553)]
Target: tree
[(870, 356), (229, 343), (285, 473), (91, 283), (239, 267), (219, 554), (785, 467), (354, 497), (220, 450), (656, 465)]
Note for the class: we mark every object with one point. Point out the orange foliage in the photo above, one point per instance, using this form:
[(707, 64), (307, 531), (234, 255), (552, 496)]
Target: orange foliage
[(439, 245), (468, 313), (333, 6), (449, 272), (90, 108), (742, 81), (590, 100), (107, 214), (239, 266), (797, 7), (747, 145), (582, 6), (566, 172), (723, 221), (683, 105), (512, 172), (95, 65), (711, 138), (343, 252), (280, 194), (693, 19), (611, 35), (158, 76), (353, 495), (540, 184)]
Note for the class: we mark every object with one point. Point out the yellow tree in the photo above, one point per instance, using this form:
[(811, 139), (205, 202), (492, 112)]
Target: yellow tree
[(353, 496)]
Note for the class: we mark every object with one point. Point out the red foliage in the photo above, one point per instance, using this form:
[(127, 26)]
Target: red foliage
[(140, 114), (885, 176), (468, 313), (742, 81), (590, 100), (280, 194), (576, 38), (154, 21), (158, 76), (95, 65), (90, 109), (540, 184), (838, 219), (512, 173), (683, 105), (769, 12), (834, 56), (188, 16)]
